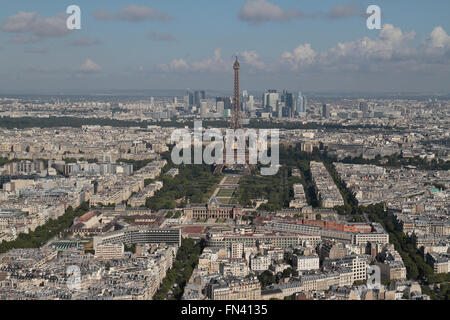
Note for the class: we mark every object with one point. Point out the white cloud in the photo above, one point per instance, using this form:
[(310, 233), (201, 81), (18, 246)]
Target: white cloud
[(391, 43), (435, 49), (437, 43), (214, 64), (37, 26), (391, 50), (252, 58), (179, 64), (303, 55), (257, 12), (260, 11), (345, 11), (132, 13), (439, 38), (89, 66)]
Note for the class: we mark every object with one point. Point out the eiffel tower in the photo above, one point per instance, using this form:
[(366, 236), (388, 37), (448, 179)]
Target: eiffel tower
[(236, 123)]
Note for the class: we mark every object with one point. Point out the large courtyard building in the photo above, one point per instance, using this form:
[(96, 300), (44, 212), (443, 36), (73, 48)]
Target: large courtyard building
[(212, 210)]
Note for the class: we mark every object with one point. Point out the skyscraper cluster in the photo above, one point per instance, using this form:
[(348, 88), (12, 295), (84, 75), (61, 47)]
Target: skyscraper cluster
[(364, 107), (286, 104), (194, 98), (247, 101)]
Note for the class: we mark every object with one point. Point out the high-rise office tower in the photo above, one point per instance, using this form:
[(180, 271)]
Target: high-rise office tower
[(186, 101), (251, 103), (279, 110), (325, 111), (270, 99), (289, 100), (364, 107), (199, 95), (226, 102), (189, 98), (288, 112), (244, 94), (244, 100), (197, 98), (220, 107), (203, 108), (300, 103)]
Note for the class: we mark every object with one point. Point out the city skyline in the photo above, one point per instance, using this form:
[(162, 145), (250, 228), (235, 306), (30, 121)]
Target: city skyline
[(136, 45), (208, 152), (97, 203)]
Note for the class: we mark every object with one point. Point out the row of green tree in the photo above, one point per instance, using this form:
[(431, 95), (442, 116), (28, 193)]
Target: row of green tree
[(269, 277), (46, 232), (415, 264), (294, 157), (176, 278), (278, 188), (4, 161), (438, 292), (350, 206)]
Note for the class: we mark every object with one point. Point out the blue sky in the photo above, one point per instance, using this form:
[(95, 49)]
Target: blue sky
[(320, 46)]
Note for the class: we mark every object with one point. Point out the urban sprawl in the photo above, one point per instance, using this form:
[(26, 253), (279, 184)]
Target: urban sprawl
[(92, 207)]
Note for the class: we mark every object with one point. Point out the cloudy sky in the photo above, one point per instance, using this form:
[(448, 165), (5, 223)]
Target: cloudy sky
[(313, 46)]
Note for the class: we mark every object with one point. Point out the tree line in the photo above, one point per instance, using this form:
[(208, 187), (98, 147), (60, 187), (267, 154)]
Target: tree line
[(46, 232), (178, 276)]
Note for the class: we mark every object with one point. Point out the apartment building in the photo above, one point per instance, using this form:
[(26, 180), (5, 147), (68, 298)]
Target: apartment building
[(356, 263), (260, 263), (234, 289), (110, 251), (306, 263)]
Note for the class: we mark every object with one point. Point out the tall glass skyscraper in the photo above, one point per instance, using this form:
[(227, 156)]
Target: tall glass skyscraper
[(325, 111), (290, 103), (199, 95), (301, 104)]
